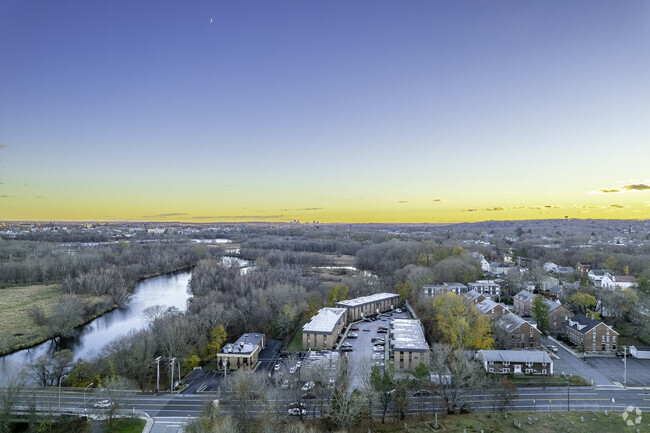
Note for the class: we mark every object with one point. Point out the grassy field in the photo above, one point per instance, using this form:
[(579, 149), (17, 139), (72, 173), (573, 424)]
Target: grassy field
[(547, 380), (532, 422), (127, 425), (295, 345), (18, 327)]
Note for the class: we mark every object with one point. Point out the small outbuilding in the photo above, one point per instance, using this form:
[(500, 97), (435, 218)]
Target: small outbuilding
[(640, 352)]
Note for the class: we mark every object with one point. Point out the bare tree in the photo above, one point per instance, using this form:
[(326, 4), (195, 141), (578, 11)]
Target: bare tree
[(12, 394)]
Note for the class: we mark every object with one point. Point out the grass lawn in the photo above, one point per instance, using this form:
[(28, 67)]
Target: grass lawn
[(532, 422), (547, 380), (128, 425), (16, 321), (295, 345)]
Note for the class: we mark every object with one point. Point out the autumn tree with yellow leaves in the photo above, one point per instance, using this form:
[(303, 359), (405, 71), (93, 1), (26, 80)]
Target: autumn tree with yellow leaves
[(460, 323)]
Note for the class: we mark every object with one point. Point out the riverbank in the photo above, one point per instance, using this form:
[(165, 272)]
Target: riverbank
[(20, 330)]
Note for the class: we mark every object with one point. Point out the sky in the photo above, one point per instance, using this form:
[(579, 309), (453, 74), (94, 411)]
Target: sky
[(330, 111)]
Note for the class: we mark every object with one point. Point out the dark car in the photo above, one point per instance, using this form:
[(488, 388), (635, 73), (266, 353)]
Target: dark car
[(354, 328), (346, 349), (382, 331), (295, 405), (421, 392)]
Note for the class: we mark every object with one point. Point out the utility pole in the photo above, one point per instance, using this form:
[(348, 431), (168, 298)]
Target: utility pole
[(624, 366), (158, 375), (91, 384), (568, 391), (171, 384)]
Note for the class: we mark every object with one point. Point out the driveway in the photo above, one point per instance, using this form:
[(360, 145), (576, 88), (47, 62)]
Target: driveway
[(570, 364)]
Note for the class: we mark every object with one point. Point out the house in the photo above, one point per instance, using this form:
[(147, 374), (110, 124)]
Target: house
[(322, 331), (590, 335), (550, 267), (489, 288), (516, 361), (368, 305), (474, 296), (547, 282), (408, 344), (523, 334), (596, 276), (489, 307), (554, 292), (485, 265), (617, 282), (522, 302), (557, 315), (498, 268), (242, 354), (584, 267), (443, 289), (640, 352), (565, 270)]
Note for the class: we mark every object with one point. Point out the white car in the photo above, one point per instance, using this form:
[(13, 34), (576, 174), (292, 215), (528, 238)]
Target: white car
[(308, 386), (293, 369), (215, 403), (553, 348), (377, 355), (377, 349), (353, 335), (102, 404), (299, 364), (285, 384), (296, 411), (399, 310), (277, 367)]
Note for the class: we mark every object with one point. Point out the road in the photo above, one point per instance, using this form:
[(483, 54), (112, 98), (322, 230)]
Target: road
[(171, 412)]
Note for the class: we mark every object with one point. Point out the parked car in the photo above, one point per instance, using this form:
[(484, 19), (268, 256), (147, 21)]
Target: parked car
[(293, 369), (377, 339), (277, 367), (382, 331), (346, 345), (553, 348), (377, 355), (308, 386), (354, 328), (378, 364), (353, 335), (399, 310), (377, 349), (285, 384), (296, 404), (299, 363), (346, 349), (296, 411), (215, 403), (421, 392), (103, 404), (622, 353)]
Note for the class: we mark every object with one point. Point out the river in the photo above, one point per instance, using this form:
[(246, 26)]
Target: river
[(169, 290)]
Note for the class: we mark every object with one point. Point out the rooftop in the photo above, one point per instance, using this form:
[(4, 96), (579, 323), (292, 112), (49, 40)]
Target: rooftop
[(356, 302), (245, 345), (515, 355), (324, 321), (524, 296), (408, 336), (510, 322)]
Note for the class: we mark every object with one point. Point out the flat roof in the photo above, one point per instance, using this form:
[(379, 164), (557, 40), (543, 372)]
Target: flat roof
[(245, 345), (325, 321), (408, 336), (363, 300)]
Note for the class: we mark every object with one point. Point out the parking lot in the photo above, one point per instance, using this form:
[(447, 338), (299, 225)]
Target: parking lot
[(638, 370), (361, 357)]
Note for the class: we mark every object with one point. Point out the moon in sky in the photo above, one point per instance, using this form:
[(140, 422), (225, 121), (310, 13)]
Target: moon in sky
[(211, 20)]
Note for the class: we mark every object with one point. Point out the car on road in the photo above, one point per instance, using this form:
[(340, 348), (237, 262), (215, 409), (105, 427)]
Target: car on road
[(421, 392), (622, 353), (296, 404), (308, 386), (353, 335), (103, 404), (297, 411), (277, 367), (552, 348), (377, 355), (399, 310)]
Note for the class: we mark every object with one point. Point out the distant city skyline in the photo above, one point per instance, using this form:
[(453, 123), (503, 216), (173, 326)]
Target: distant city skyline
[(329, 111)]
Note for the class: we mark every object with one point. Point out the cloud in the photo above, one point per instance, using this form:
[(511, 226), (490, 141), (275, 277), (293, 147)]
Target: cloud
[(402, 201), (494, 209), (7, 196), (38, 196), (3, 146), (302, 209), (637, 187), (617, 206), (646, 203), (548, 206), (437, 199), (533, 207), (171, 214), (606, 191), (222, 217), (470, 210)]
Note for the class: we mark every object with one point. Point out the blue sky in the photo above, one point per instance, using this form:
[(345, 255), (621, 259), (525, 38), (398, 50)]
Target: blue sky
[(355, 110)]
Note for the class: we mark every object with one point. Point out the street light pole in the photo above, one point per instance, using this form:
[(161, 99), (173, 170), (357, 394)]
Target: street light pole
[(158, 375), (568, 391), (171, 385), (91, 384), (61, 380), (625, 366)]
